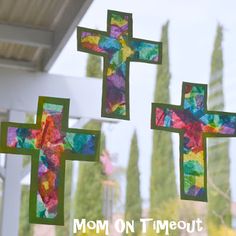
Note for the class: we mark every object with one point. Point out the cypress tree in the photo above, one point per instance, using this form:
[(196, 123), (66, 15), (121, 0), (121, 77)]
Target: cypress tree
[(89, 193), (93, 68), (133, 208), (218, 156), (163, 185)]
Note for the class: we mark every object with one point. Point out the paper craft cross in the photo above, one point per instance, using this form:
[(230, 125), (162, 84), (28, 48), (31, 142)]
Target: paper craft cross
[(118, 47), (194, 123), (50, 142)]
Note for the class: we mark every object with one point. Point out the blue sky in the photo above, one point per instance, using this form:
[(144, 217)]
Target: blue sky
[(191, 36)]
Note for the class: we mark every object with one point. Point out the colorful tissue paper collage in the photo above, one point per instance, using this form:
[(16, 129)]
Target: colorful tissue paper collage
[(50, 142), (194, 123), (118, 48)]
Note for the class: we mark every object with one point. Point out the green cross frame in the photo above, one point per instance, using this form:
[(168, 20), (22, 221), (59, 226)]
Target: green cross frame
[(194, 123), (118, 48), (50, 143)]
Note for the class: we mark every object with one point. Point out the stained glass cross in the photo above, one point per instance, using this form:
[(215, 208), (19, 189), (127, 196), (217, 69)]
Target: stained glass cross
[(49, 142), (118, 47), (194, 123)]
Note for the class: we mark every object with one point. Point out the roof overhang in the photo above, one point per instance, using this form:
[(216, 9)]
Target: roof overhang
[(34, 42)]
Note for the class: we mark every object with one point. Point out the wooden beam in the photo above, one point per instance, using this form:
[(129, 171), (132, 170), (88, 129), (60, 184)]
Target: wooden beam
[(11, 199), (17, 64), (20, 90), (26, 36), (72, 15)]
